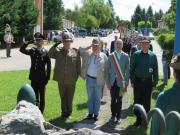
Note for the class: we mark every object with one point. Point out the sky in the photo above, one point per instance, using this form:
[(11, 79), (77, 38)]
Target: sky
[(125, 8)]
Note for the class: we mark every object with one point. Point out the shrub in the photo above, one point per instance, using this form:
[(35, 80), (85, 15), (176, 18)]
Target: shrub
[(166, 41)]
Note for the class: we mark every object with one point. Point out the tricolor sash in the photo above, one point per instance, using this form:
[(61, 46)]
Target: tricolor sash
[(120, 70)]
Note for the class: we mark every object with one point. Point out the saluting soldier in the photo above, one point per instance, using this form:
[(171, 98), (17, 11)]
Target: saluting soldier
[(40, 67), (66, 71), (144, 76)]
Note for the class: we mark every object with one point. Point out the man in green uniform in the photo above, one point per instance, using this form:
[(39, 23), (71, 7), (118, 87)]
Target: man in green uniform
[(169, 100), (144, 76), (66, 71)]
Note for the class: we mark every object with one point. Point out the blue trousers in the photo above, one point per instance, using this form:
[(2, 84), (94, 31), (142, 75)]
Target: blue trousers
[(94, 92)]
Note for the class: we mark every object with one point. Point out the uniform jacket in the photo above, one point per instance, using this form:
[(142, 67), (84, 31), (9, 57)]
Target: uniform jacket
[(40, 70), (112, 73), (101, 65), (167, 101), (67, 64)]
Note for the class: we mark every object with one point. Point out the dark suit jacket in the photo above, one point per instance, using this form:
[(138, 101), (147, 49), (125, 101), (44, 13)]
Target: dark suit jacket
[(112, 46), (39, 61)]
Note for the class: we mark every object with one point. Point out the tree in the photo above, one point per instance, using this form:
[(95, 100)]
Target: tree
[(118, 20), (53, 13), (112, 23), (157, 16), (98, 8), (143, 14), (27, 17), (137, 16), (170, 16), (142, 24), (91, 23), (22, 17), (149, 14)]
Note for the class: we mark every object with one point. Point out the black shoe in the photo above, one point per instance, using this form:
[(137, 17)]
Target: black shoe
[(89, 117), (63, 116), (118, 120), (95, 118), (69, 116)]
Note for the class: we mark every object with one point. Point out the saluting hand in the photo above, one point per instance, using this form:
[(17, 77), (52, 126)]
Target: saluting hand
[(30, 42), (88, 47)]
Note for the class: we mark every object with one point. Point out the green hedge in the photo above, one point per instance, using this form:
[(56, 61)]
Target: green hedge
[(166, 41)]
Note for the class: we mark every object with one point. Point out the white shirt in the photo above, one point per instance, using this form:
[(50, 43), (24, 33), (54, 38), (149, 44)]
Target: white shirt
[(92, 69), (119, 55)]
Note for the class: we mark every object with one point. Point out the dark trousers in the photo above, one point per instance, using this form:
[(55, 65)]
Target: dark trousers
[(66, 92), (8, 49), (39, 89), (116, 101), (142, 95)]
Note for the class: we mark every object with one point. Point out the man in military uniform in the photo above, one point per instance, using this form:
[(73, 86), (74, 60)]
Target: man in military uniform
[(169, 100), (144, 76), (40, 61), (66, 71)]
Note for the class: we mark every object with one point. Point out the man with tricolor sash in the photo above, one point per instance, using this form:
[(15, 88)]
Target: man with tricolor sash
[(117, 79)]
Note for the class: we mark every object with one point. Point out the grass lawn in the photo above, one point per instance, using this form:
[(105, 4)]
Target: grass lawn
[(10, 83)]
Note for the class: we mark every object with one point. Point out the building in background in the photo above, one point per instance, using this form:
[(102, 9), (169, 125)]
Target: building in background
[(39, 27), (67, 24)]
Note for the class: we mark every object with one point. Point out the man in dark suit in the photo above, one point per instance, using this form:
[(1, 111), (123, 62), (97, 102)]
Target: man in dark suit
[(112, 49), (39, 76)]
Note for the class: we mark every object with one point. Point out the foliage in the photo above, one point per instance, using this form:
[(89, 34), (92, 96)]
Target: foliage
[(170, 19), (53, 13), (8, 97), (170, 16), (140, 14), (137, 16), (101, 10), (22, 17), (166, 41), (157, 31), (142, 24), (91, 23)]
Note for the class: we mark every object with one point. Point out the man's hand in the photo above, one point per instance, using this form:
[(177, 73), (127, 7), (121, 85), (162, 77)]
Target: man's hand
[(88, 47), (30, 42)]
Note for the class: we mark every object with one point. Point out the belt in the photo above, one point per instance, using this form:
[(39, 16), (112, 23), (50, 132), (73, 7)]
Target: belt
[(144, 78), (91, 76)]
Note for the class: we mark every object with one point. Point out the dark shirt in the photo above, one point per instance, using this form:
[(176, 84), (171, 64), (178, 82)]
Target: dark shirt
[(144, 65), (112, 49), (167, 101)]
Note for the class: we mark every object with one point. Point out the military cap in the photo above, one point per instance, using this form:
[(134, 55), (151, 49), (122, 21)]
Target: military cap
[(38, 36), (95, 42), (175, 63), (67, 37)]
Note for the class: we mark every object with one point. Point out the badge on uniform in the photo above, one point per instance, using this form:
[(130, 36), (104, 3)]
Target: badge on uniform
[(150, 70)]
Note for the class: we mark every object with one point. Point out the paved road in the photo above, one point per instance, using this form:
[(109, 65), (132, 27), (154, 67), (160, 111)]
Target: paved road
[(18, 61)]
